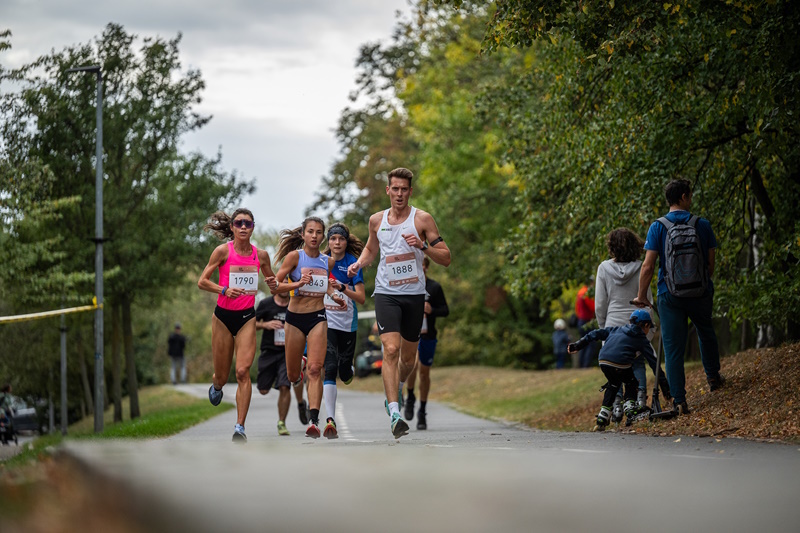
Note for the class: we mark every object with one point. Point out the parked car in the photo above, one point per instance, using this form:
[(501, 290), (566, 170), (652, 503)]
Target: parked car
[(368, 362)]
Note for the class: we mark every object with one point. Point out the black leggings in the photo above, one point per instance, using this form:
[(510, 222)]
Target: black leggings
[(616, 377), (339, 357)]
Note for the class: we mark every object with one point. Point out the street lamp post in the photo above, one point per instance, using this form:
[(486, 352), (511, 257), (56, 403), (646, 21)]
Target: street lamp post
[(98, 256)]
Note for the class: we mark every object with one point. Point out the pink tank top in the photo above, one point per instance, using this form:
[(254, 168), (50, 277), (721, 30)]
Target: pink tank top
[(242, 272)]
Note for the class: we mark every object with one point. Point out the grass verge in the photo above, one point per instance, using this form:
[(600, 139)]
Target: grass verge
[(164, 412)]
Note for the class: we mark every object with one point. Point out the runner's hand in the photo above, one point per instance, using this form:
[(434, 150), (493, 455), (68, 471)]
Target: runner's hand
[(339, 301), (272, 282), (412, 240), (305, 279), (274, 324), (353, 269), (233, 293), (572, 348)]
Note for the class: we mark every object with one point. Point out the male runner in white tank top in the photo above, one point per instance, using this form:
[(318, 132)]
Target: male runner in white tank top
[(403, 235)]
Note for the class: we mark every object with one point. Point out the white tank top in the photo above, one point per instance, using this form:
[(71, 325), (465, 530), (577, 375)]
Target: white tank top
[(400, 269)]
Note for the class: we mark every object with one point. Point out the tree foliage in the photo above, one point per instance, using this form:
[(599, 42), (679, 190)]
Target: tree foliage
[(156, 198), (622, 97)]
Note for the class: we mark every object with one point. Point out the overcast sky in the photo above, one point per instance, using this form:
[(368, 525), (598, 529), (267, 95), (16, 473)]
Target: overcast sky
[(277, 75)]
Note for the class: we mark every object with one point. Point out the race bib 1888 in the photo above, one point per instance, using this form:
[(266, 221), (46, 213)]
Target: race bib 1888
[(402, 269)]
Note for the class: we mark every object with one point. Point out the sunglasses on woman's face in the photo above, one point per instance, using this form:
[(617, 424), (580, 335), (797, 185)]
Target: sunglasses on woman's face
[(244, 223)]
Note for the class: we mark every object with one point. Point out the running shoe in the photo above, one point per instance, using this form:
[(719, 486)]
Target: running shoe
[(409, 410), (302, 410), (349, 381), (214, 395), (299, 382), (422, 422), (399, 426), (330, 430), (238, 434), (282, 428), (312, 431)]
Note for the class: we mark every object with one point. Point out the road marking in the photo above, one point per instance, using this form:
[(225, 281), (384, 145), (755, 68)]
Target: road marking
[(687, 456), (578, 450), (341, 425), (440, 446)]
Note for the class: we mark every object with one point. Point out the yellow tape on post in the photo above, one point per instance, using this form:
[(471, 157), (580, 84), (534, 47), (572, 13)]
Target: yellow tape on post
[(46, 314)]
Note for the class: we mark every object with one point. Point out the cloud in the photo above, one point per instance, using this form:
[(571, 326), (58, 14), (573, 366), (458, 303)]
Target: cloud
[(277, 75)]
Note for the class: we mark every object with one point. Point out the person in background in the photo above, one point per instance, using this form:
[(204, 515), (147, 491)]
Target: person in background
[(617, 284), (435, 306), (623, 346), (270, 318), (176, 344), (584, 310), (681, 302), (560, 341)]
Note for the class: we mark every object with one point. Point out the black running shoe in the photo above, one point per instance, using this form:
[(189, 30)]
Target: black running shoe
[(409, 408), (422, 423), (302, 410)]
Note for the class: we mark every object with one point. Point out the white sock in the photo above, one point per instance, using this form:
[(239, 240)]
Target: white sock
[(394, 407), (329, 395)]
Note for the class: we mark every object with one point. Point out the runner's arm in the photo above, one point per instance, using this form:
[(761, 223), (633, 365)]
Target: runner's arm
[(371, 249), (217, 259), (439, 253)]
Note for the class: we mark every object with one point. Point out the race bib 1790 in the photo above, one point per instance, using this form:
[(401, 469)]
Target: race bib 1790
[(244, 277)]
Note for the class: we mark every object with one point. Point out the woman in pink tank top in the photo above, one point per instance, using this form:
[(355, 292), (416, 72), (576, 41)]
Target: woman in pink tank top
[(233, 324)]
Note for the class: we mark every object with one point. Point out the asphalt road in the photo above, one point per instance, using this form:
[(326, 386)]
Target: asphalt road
[(462, 474)]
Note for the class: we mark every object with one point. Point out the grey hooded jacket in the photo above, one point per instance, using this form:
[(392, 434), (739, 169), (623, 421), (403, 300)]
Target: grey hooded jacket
[(616, 284)]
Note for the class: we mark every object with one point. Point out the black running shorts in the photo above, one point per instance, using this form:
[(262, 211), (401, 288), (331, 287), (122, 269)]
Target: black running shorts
[(401, 313)]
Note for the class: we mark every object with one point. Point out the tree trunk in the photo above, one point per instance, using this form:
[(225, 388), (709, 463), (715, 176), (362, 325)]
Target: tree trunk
[(127, 334), (116, 341), (87, 388)]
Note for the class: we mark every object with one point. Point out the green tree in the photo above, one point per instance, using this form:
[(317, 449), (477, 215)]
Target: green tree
[(156, 198), (624, 96)]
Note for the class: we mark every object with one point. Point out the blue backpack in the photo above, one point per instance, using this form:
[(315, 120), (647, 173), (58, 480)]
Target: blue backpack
[(685, 270)]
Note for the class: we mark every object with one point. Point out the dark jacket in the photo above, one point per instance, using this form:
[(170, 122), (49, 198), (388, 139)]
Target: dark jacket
[(435, 297), (623, 345)]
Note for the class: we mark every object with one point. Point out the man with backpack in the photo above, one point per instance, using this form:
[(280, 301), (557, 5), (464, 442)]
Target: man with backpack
[(685, 246)]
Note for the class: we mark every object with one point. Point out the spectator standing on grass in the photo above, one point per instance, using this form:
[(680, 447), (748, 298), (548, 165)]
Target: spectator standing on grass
[(560, 341), (685, 247), (617, 283), (584, 310), (176, 344)]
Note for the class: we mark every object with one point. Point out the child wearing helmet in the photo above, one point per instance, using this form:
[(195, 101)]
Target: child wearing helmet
[(623, 344)]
